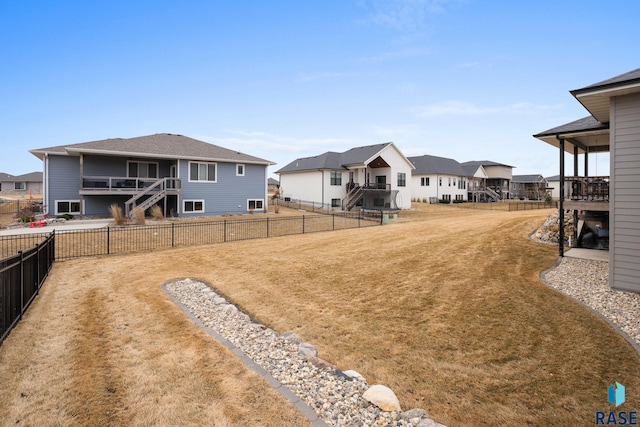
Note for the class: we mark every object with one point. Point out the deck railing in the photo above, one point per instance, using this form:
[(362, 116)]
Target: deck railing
[(118, 183), (589, 188)]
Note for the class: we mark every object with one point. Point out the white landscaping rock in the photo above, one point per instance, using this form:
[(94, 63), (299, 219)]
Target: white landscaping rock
[(353, 374), (383, 397)]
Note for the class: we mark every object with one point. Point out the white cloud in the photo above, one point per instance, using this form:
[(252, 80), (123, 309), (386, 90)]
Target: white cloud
[(397, 54), (402, 15), (305, 78)]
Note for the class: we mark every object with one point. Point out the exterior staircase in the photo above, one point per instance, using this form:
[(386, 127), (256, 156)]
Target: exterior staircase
[(495, 196), (155, 192), (352, 197)]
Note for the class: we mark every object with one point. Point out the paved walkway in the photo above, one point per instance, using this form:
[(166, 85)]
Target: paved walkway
[(591, 254), (76, 224)]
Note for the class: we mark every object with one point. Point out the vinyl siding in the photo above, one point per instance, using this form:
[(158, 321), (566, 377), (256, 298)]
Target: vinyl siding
[(63, 180), (624, 221), (229, 194), (303, 185)]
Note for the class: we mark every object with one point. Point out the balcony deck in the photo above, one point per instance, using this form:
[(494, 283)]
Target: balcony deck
[(110, 185), (587, 193)]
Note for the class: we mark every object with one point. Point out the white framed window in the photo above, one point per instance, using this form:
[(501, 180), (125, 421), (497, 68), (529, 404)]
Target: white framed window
[(71, 207), (335, 203), (402, 179), (336, 178), (253, 204), (20, 186), (191, 206), (137, 169), (204, 172), (239, 169), (424, 181)]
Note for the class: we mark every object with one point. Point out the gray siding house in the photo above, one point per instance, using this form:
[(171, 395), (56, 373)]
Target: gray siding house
[(27, 184), (184, 176), (614, 127)]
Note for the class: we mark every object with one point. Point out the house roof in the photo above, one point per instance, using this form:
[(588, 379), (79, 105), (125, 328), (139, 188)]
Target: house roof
[(29, 177), (553, 178), (334, 161), (160, 145), (527, 178), (477, 163), (586, 134), (6, 177), (431, 165), (272, 181), (595, 97)]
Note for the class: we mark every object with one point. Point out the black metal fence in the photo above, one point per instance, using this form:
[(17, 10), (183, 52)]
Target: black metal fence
[(21, 277), (112, 240), (19, 206), (509, 205)]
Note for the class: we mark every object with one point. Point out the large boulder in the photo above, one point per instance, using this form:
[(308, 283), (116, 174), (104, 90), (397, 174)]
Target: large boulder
[(383, 397)]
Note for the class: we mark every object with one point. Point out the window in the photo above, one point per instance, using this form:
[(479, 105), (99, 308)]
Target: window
[(253, 204), (202, 172), (335, 203), (20, 186), (446, 197), (440, 181), (336, 178), (402, 179), (449, 182), (239, 170), (193, 206), (424, 181), (71, 207), (142, 170)]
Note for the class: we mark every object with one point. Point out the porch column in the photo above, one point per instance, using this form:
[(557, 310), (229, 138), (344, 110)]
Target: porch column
[(561, 202)]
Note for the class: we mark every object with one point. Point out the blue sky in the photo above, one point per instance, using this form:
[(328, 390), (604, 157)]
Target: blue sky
[(464, 79)]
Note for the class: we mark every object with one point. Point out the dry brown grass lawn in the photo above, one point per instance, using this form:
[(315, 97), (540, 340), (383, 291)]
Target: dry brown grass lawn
[(446, 308)]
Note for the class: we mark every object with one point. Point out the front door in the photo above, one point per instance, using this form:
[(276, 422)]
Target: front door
[(381, 181)]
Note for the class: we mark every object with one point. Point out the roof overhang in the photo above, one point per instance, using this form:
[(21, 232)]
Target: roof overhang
[(597, 100), (75, 151), (588, 135)]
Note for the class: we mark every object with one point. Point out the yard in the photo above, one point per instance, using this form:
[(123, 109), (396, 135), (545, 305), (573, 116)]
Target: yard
[(446, 308)]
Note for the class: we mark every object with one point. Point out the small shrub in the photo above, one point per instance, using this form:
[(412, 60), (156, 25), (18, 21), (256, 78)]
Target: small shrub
[(116, 214), (138, 216), (65, 216), (445, 201), (156, 212)]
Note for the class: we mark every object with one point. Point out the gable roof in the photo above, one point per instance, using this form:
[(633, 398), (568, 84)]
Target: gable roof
[(484, 163), (160, 145), (335, 161), (430, 165), (6, 177)]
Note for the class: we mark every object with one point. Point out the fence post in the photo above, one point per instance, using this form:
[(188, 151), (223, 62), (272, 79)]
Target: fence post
[(173, 236), (333, 220), (302, 224), (108, 240), (224, 230), (38, 268), (267, 227), (21, 283)]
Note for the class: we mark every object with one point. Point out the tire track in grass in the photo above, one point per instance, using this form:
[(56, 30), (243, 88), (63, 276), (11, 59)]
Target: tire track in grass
[(96, 384)]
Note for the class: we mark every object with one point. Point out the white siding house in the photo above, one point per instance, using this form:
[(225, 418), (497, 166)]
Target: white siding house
[(438, 179), (369, 177), (614, 127)]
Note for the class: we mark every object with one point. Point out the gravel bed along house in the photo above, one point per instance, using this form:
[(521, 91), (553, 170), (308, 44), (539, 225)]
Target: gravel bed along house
[(587, 282)]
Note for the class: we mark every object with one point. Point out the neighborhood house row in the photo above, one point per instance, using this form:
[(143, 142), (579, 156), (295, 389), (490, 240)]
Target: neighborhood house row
[(187, 177)]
